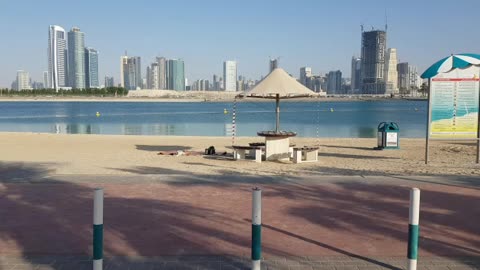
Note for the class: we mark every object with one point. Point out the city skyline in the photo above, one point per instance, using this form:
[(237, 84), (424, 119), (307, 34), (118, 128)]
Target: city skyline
[(264, 34)]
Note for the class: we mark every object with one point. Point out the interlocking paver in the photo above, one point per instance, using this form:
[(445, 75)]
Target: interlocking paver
[(346, 268), (232, 262)]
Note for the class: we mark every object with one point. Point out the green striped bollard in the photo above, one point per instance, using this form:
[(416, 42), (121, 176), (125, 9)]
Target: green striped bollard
[(413, 228), (98, 229), (256, 228)]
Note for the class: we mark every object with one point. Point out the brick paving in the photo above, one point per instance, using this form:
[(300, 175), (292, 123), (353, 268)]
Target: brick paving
[(233, 263), (156, 222)]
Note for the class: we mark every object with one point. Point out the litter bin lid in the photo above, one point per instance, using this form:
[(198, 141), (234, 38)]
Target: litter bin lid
[(393, 126), (382, 126)]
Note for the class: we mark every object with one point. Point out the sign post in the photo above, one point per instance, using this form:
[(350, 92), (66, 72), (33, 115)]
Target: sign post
[(453, 105), (429, 119)]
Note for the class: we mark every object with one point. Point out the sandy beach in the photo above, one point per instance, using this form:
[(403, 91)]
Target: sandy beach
[(123, 155)]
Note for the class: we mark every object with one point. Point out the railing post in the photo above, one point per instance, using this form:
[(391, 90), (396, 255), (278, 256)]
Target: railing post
[(256, 228), (98, 229), (413, 228)]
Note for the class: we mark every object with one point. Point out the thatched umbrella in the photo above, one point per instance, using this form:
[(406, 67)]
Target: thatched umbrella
[(278, 85)]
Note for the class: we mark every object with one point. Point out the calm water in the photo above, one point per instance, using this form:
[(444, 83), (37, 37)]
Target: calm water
[(348, 119)]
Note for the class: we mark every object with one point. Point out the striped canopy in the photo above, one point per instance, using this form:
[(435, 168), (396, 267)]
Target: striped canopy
[(454, 61)]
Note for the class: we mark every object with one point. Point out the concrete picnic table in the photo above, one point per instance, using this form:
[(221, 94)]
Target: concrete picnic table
[(277, 144)]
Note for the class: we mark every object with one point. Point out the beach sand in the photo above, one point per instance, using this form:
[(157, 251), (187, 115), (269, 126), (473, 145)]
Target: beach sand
[(129, 155)]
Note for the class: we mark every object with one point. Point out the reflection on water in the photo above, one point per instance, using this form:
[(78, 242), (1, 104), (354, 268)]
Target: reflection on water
[(366, 132), (228, 129), (78, 128), (153, 129)]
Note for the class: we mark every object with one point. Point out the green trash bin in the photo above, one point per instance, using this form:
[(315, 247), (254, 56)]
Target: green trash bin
[(387, 136)]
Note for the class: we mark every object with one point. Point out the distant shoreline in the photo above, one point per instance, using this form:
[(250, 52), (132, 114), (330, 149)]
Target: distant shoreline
[(191, 99)]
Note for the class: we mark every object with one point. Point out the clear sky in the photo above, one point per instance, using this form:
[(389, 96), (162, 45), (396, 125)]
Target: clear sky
[(321, 34)]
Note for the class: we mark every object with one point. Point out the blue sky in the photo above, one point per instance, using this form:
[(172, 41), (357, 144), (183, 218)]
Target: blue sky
[(320, 34)]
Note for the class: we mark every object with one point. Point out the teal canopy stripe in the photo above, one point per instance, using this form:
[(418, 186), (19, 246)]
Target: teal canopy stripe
[(433, 70), (458, 61)]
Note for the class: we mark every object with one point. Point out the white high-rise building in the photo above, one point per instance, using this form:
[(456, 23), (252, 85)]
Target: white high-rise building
[(230, 75), (391, 74), (162, 72), (123, 65), (154, 76), (57, 57), (23, 80)]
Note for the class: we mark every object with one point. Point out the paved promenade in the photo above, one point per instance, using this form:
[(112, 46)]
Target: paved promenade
[(203, 222), (235, 263)]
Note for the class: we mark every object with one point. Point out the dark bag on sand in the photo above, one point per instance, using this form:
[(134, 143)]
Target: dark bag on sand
[(210, 151)]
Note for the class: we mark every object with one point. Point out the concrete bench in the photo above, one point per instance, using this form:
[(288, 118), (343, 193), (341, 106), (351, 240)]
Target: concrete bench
[(262, 145), (240, 150), (305, 154)]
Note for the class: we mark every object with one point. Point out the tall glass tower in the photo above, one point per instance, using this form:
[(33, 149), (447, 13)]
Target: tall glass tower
[(176, 74), (91, 68), (76, 58), (57, 58)]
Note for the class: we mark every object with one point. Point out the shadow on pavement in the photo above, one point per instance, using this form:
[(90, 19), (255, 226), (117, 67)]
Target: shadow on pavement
[(323, 245), (204, 215)]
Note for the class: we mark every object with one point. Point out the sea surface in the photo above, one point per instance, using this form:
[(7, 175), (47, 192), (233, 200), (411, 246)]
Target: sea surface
[(347, 119)]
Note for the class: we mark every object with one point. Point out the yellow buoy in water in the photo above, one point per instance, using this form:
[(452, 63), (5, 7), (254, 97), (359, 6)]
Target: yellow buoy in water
[(225, 111), (97, 114)]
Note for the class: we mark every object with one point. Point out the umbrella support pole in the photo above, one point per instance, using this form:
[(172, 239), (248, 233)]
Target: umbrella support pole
[(277, 111)]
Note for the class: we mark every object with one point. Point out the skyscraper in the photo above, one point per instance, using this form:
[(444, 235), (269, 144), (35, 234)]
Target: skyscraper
[(403, 77), (109, 82), (273, 64), (215, 83), (23, 80), (408, 78), (149, 78), (373, 61), (334, 82), (76, 58), (230, 75), (91, 68), (57, 58), (391, 75), (356, 74), (153, 76), (130, 72), (45, 80), (162, 72), (123, 66), (305, 72), (176, 74)]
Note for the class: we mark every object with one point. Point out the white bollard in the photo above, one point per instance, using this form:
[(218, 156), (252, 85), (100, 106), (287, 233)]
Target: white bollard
[(98, 229), (413, 228), (256, 228)]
